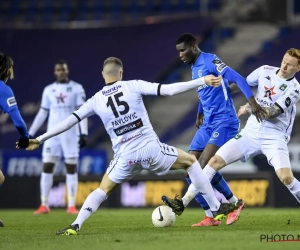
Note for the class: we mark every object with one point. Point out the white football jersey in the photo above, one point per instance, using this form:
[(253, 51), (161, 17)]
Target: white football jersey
[(272, 89), (121, 108), (61, 100)]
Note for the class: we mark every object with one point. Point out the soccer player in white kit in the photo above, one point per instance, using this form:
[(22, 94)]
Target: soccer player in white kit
[(59, 100), (277, 92), (136, 146)]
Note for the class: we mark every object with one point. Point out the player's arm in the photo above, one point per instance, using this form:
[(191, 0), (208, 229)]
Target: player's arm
[(83, 125), (41, 115), (222, 69), (200, 115), (82, 113), (148, 88), (270, 112), (9, 105)]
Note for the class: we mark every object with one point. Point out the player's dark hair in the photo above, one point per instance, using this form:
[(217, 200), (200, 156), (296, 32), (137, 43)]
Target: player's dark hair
[(61, 62), (6, 70), (187, 38), (113, 60)]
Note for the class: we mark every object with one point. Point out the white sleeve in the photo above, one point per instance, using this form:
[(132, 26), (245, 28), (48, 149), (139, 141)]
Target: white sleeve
[(45, 103), (148, 88), (86, 110), (252, 79), (179, 87), (38, 121), (81, 97), (289, 98), (59, 128)]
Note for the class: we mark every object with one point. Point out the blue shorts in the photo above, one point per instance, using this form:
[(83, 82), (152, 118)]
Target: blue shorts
[(217, 134)]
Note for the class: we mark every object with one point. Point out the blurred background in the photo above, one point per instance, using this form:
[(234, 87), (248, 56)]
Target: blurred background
[(142, 33)]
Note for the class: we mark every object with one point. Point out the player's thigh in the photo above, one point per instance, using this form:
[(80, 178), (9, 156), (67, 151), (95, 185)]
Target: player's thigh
[(242, 147), (183, 161), (121, 169), (51, 151), (70, 148), (281, 163), (200, 139)]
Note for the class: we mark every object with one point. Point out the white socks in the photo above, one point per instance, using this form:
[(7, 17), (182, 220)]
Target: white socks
[(203, 185), (209, 172), (294, 188), (72, 184), (189, 195), (91, 204), (46, 183)]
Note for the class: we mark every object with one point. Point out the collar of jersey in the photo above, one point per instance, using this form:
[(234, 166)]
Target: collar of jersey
[(284, 79), (111, 83)]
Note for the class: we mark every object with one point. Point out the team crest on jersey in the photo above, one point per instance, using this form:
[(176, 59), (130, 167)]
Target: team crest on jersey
[(69, 89), (269, 92), (215, 135), (219, 65), (288, 102), (200, 73), (283, 87)]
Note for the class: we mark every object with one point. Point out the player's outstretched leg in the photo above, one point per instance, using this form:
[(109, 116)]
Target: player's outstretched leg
[(91, 204), (2, 178), (72, 184), (281, 164), (190, 164)]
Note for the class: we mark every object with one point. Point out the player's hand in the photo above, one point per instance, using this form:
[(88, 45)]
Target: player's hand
[(256, 109), (242, 110), (82, 141), (199, 120), (213, 81), (23, 142), (33, 144)]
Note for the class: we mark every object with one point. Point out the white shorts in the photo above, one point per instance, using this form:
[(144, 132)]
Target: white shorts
[(66, 146), (248, 144), (156, 157)]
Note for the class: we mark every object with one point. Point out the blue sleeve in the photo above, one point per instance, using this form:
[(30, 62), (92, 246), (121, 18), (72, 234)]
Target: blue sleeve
[(18, 122), (216, 66), (9, 105), (200, 108)]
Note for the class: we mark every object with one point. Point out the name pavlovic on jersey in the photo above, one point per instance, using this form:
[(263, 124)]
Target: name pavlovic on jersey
[(121, 109), (272, 89), (61, 99)]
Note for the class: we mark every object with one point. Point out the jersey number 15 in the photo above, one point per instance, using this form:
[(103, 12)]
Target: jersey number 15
[(110, 103)]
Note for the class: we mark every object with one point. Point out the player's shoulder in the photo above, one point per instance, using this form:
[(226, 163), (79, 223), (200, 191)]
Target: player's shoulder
[(295, 84), (209, 56), (268, 68), (76, 85), (49, 86), (4, 88)]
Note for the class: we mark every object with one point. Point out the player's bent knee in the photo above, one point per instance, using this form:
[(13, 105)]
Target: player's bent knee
[(2, 178), (285, 175), (48, 167), (217, 162)]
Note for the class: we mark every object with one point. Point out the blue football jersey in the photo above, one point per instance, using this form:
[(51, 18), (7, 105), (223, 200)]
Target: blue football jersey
[(7, 99), (217, 103)]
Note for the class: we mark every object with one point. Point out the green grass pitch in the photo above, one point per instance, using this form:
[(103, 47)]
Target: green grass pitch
[(132, 229)]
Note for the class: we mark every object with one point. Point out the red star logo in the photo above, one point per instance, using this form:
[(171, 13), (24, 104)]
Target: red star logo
[(61, 98), (130, 162), (269, 92)]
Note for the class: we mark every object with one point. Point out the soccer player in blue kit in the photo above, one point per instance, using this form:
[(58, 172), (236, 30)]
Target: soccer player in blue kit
[(217, 121), (8, 104)]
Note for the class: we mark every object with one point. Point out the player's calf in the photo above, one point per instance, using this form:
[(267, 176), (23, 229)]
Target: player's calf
[(285, 175)]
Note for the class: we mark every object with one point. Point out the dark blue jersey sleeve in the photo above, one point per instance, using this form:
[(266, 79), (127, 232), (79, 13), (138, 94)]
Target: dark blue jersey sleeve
[(218, 67), (9, 105)]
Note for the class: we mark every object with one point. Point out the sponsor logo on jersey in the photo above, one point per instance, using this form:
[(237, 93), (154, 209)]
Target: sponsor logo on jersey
[(110, 91), (283, 87), (61, 98), (131, 137), (260, 101), (297, 91), (200, 73), (123, 120), (137, 161), (202, 87), (268, 78), (11, 101), (288, 102), (269, 92), (129, 127), (268, 67), (220, 66)]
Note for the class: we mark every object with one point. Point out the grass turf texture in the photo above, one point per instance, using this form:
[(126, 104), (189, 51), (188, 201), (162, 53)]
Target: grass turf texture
[(126, 229)]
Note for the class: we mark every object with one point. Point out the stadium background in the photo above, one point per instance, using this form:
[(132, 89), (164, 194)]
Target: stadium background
[(142, 33)]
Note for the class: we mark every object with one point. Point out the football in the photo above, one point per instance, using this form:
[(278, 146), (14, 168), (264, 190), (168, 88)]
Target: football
[(163, 216)]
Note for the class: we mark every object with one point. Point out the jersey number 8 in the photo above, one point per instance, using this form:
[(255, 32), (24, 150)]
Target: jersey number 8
[(111, 103)]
